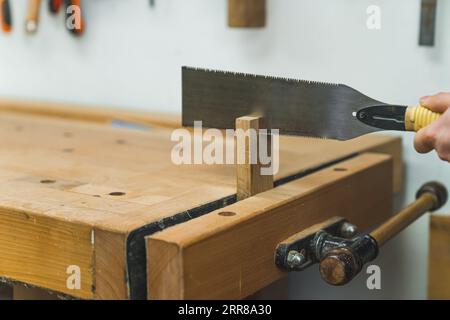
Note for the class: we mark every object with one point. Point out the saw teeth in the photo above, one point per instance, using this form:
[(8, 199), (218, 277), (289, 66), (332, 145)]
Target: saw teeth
[(247, 75)]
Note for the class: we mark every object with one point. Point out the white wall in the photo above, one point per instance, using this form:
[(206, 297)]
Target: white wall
[(131, 56)]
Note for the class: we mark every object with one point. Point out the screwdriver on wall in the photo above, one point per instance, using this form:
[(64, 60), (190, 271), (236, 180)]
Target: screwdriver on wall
[(54, 5), (5, 15), (79, 24), (32, 21)]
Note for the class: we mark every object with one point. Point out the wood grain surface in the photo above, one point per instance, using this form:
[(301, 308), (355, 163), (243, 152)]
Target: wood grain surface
[(73, 191)]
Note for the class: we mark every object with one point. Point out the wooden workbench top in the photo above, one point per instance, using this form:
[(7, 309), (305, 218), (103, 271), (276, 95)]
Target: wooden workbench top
[(77, 193)]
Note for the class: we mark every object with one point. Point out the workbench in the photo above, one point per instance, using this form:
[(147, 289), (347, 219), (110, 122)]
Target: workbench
[(78, 191)]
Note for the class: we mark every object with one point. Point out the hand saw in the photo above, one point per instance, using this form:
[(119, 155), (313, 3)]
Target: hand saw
[(295, 107)]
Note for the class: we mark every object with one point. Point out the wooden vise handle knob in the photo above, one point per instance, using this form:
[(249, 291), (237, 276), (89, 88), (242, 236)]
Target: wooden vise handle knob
[(340, 265), (343, 263), (436, 189), (246, 13)]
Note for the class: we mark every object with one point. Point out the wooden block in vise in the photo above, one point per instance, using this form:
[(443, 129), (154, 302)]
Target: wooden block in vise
[(246, 13), (229, 253), (250, 180)]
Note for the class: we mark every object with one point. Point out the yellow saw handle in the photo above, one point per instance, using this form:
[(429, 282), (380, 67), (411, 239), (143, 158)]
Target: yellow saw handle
[(419, 117)]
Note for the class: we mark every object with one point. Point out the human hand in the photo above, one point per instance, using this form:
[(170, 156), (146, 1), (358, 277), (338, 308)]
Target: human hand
[(436, 136)]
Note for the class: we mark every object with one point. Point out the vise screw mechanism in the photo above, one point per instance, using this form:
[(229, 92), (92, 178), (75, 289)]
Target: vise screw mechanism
[(340, 251)]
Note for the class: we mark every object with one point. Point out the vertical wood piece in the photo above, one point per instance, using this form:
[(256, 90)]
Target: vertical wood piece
[(250, 181), (439, 258), (229, 253), (246, 13)]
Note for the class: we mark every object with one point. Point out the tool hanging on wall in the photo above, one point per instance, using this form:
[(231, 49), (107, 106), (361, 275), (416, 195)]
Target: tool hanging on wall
[(74, 18), (152, 3), (247, 13), (340, 251), (427, 23), (54, 5), (78, 26), (32, 20), (5, 15)]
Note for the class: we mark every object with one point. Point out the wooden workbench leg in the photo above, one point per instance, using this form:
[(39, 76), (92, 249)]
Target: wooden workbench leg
[(6, 292), (21, 292), (250, 181), (439, 257)]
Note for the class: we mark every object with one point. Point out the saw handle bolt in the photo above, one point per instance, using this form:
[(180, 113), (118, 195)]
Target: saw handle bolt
[(362, 115)]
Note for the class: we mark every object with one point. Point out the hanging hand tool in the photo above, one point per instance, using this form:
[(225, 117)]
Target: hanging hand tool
[(32, 21), (246, 13), (427, 22), (54, 5), (339, 251), (5, 15), (295, 107), (79, 23)]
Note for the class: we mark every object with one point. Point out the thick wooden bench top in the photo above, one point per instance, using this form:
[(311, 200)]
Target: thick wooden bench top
[(79, 193)]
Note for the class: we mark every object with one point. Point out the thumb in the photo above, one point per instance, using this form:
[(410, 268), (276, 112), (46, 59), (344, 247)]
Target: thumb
[(438, 103)]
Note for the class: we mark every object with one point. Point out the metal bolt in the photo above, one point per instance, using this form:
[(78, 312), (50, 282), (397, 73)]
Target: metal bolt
[(362, 115), (348, 230), (295, 259)]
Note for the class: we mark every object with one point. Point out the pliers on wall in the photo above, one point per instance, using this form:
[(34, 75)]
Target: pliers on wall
[(5, 15)]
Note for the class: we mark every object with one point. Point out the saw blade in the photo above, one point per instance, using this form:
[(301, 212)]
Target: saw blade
[(295, 107)]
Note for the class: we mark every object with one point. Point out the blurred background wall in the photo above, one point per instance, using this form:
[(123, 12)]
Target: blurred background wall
[(131, 55)]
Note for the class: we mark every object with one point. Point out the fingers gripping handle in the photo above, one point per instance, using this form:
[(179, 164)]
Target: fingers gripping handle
[(419, 117)]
